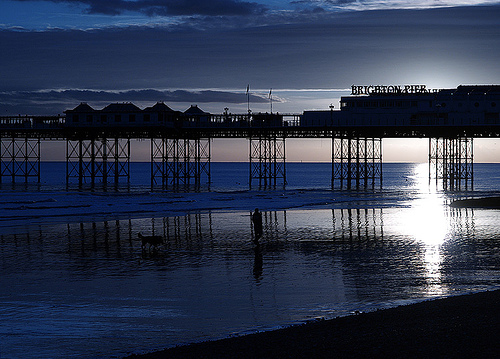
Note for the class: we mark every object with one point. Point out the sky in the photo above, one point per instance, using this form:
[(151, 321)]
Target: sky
[(58, 53)]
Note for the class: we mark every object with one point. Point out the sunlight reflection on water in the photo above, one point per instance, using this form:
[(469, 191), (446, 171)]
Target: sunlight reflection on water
[(428, 221)]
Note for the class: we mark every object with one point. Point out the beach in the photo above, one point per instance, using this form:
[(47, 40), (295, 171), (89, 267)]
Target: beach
[(464, 326), (76, 281)]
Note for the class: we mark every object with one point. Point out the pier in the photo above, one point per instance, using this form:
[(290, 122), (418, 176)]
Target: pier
[(98, 141)]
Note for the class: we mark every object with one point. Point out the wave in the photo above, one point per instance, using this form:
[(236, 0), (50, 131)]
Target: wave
[(48, 207)]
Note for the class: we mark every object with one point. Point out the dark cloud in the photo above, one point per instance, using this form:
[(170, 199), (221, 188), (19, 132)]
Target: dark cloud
[(320, 4), (202, 7), (331, 2), (169, 7), (56, 101), (343, 2)]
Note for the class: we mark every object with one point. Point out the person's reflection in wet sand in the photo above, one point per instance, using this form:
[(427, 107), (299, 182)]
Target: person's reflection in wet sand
[(258, 262)]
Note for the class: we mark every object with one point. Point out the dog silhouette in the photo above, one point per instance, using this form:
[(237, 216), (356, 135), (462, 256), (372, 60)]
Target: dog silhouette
[(153, 241)]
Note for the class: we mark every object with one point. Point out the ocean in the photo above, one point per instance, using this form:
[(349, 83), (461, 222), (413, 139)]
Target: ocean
[(75, 282)]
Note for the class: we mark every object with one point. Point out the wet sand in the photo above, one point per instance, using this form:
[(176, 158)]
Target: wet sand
[(465, 326), (488, 202)]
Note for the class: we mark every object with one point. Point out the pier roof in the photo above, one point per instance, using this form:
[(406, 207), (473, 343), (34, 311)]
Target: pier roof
[(83, 107), (159, 107), (479, 89), (121, 107), (195, 110)]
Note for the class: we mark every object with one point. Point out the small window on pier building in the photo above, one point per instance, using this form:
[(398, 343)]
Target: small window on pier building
[(89, 118), (75, 118), (131, 118), (118, 118), (147, 117), (104, 119)]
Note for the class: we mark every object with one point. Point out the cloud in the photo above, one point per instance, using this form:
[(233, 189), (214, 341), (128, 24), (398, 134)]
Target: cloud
[(51, 102), (239, 7), (438, 47), (43, 15), (359, 5), (168, 7)]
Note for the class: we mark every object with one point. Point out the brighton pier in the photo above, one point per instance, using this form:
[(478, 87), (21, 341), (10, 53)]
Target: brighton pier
[(98, 141)]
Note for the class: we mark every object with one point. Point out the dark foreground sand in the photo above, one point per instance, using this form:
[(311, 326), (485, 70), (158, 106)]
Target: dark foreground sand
[(487, 202), (466, 326)]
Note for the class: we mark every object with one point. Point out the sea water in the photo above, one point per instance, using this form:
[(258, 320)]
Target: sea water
[(76, 283)]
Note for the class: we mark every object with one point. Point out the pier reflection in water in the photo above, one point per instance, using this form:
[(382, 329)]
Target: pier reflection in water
[(78, 283)]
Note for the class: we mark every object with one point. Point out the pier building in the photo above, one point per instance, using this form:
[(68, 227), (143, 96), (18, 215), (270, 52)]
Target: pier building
[(98, 140), (450, 118)]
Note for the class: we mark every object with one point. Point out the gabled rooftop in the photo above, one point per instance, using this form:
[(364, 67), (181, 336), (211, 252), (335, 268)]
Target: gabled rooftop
[(159, 107), (83, 107), (195, 110), (121, 107)]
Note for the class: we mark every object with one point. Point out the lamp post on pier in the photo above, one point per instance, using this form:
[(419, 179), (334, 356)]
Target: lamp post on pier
[(331, 114)]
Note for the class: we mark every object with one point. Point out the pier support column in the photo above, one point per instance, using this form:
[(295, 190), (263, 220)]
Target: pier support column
[(180, 161), (20, 158), (98, 161), (356, 162), (451, 161), (267, 160)]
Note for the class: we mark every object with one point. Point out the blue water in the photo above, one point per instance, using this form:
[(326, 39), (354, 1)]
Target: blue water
[(75, 282), (228, 176)]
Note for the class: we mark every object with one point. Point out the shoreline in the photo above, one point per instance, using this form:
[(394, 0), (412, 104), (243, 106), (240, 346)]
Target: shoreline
[(19, 210), (462, 326), (484, 202)]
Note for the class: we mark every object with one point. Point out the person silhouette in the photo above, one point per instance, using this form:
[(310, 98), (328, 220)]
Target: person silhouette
[(257, 223)]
